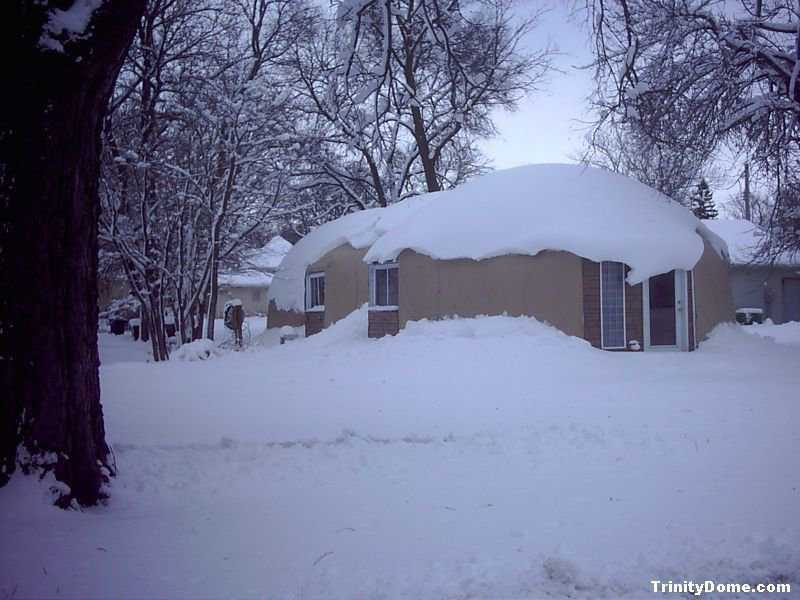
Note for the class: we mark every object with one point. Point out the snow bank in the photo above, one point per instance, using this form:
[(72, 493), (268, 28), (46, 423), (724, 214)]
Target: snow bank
[(492, 327), (785, 333), (469, 458), (196, 350), (584, 210)]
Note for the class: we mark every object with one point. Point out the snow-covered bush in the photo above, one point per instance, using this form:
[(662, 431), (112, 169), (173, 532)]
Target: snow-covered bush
[(196, 350)]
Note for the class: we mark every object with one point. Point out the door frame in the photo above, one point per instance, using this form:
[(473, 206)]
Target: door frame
[(681, 314)]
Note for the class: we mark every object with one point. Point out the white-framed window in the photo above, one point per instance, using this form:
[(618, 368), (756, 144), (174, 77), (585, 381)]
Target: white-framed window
[(612, 305), (384, 286), (315, 292)]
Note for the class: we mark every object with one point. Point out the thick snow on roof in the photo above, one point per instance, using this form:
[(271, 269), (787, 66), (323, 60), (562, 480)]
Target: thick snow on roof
[(590, 212), (258, 265), (247, 279), (359, 229), (744, 239), (270, 256)]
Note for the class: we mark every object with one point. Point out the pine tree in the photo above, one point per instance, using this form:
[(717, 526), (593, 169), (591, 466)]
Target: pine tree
[(703, 205)]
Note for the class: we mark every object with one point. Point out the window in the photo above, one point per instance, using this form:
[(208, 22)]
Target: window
[(612, 304), (315, 292), (384, 286)]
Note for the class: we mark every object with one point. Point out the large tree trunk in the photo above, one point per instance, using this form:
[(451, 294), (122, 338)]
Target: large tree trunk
[(48, 185)]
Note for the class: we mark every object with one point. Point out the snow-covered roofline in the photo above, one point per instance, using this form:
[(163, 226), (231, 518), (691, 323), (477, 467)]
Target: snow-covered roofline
[(588, 211), (744, 239), (245, 279)]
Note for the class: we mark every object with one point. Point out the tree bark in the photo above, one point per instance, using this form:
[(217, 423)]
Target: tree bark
[(51, 144)]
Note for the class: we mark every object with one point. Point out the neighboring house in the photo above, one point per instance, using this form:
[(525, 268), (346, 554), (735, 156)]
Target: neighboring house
[(772, 287), (251, 281), (596, 254)]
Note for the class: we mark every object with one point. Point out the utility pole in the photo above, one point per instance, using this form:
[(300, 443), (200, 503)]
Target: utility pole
[(747, 191)]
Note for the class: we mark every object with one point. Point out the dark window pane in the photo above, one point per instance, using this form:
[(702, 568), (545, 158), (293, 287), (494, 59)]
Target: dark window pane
[(394, 287), (320, 291), (316, 291), (380, 287), (613, 306), (662, 310)]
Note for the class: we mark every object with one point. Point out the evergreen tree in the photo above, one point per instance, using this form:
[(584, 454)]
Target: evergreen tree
[(703, 205)]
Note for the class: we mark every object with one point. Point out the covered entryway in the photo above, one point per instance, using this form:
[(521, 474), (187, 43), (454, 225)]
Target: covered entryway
[(665, 305)]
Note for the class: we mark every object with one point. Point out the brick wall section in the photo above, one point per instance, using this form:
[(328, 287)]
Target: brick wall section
[(383, 322), (634, 320), (591, 302), (690, 307), (315, 322)]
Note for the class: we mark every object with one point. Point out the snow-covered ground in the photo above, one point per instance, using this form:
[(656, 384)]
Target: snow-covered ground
[(122, 348), (785, 333), (490, 458)]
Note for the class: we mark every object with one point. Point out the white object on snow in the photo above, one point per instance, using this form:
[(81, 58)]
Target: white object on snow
[(196, 350), (588, 211), (288, 334)]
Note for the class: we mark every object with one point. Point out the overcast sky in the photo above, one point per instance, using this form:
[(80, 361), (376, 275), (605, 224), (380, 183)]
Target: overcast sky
[(547, 128), (550, 125)]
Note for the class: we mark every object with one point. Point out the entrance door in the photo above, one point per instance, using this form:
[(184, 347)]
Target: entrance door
[(665, 317), (662, 310)]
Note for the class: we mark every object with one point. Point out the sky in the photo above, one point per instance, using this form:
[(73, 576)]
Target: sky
[(547, 126), (550, 125)]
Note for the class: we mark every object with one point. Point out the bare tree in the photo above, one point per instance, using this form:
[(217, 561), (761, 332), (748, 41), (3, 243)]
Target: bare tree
[(623, 149), (196, 150), (699, 74), (399, 91)]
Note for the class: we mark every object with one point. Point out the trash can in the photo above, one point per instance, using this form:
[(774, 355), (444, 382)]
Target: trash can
[(117, 326), (748, 316)]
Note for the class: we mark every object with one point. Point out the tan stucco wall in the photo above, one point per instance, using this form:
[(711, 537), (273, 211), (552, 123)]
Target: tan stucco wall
[(714, 300), (548, 286), (346, 281)]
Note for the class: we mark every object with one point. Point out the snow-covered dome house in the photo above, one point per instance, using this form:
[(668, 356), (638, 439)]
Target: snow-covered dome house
[(596, 254)]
